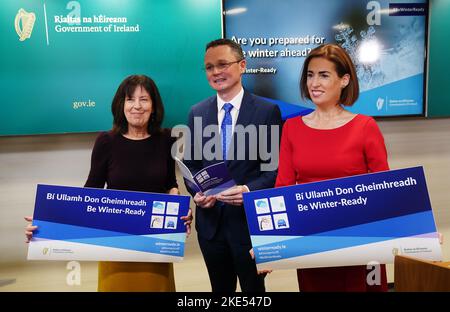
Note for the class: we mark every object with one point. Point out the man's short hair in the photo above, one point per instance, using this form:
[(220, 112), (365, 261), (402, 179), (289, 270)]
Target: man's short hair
[(228, 42)]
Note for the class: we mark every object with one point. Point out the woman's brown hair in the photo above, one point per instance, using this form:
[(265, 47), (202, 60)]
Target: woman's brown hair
[(343, 64), (126, 89)]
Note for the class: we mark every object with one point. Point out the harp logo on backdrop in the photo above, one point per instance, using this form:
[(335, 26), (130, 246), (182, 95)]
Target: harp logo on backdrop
[(380, 103), (24, 23)]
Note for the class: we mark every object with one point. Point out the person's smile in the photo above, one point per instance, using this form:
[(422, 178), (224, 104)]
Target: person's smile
[(316, 93)]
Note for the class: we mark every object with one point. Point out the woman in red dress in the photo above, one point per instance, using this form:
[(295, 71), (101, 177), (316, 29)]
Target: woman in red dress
[(330, 143)]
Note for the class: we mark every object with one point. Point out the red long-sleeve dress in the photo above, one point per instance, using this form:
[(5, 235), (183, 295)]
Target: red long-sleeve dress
[(310, 155)]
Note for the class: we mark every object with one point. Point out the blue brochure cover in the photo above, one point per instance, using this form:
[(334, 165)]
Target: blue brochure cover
[(76, 223), (210, 180), (356, 220)]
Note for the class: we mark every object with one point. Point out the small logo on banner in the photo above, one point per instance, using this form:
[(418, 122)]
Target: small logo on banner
[(395, 251), (277, 204), (158, 207), (262, 206), (164, 215), (380, 103), (171, 223), (172, 208), (24, 23), (45, 251), (265, 223), (281, 221), (157, 222)]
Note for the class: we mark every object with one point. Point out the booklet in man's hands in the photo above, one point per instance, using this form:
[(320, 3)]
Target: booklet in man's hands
[(210, 180)]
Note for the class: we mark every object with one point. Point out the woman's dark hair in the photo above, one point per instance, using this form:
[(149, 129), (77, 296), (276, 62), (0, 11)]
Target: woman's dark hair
[(126, 89), (343, 64)]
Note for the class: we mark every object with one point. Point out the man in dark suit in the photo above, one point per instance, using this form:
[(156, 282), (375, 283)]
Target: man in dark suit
[(247, 130)]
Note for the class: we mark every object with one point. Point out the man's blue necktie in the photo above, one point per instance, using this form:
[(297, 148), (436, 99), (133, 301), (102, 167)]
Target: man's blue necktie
[(225, 128)]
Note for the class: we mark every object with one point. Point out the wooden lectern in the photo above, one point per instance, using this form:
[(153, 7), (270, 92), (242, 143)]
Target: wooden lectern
[(412, 274)]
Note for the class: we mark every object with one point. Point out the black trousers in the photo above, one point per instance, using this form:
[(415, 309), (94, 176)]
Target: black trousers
[(228, 261)]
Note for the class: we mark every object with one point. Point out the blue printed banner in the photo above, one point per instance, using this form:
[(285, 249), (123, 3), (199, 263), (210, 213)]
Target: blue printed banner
[(357, 220), (108, 225)]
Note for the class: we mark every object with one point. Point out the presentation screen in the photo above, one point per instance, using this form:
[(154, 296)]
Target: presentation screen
[(385, 39), (62, 61)]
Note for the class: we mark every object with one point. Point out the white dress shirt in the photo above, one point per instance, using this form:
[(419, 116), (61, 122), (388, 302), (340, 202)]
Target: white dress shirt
[(236, 102)]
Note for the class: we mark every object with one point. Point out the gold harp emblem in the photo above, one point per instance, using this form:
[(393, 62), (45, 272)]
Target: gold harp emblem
[(26, 20)]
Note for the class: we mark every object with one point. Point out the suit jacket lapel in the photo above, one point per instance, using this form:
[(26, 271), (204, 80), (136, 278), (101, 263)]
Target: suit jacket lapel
[(210, 119), (211, 114), (246, 111)]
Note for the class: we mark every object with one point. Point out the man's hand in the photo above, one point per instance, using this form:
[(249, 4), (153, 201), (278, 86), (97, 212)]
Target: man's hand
[(204, 201), (233, 196), (264, 272)]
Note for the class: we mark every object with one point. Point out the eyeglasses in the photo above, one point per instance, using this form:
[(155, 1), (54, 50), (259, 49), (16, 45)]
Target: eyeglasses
[(220, 67)]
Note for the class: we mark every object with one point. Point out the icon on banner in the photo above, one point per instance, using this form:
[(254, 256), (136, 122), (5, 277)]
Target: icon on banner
[(158, 207), (262, 206), (281, 221), (172, 208), (157, 222), (380, 103), (265, 223), (171, 223), (24, 23), (277, 204)]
